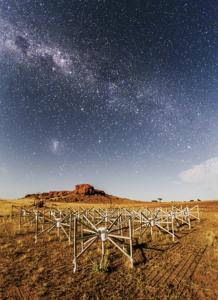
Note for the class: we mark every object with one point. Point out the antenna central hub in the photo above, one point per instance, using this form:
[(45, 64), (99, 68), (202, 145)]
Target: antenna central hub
[(103, 233)]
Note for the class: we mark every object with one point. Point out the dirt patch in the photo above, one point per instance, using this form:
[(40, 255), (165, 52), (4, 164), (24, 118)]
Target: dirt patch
[(185, 269)]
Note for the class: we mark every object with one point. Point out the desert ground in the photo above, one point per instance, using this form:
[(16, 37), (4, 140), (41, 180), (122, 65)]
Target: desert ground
[(184, 269)]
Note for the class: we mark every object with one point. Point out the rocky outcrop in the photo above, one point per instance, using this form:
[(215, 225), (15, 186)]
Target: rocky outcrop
[(87, 189), (84, 189), (82, 193), (49, 195)]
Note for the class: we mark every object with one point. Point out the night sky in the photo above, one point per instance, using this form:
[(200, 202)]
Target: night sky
[(119, 94)]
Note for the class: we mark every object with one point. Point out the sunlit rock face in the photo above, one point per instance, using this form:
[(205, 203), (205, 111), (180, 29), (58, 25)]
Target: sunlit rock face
[(84, 189), (87, 189)]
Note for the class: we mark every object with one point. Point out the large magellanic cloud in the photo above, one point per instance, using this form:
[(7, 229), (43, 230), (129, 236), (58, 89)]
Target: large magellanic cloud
[(205, 173)]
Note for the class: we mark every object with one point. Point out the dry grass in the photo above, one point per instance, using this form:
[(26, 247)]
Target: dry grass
[(186, 269), (5, 205)]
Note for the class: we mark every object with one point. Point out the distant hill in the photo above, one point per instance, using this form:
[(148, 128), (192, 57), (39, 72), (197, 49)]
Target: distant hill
[(83, 193)]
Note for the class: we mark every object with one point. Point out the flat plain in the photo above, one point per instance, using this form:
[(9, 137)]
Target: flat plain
[(184, 269)]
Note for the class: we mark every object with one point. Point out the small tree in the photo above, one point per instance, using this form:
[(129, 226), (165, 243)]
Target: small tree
[(159, 199)]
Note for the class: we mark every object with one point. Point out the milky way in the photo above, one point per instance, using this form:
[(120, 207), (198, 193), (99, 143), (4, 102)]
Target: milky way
[(107, 91)]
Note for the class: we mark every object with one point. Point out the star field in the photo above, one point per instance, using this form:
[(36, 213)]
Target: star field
[(121, 94)]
